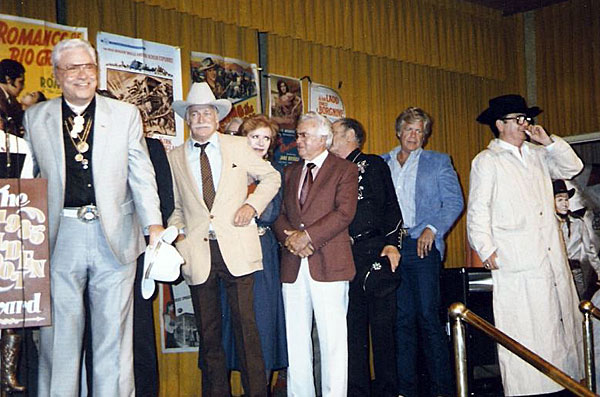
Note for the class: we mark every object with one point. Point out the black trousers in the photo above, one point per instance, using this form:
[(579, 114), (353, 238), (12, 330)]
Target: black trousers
[(207, 310), (145, 361), (380, 315)]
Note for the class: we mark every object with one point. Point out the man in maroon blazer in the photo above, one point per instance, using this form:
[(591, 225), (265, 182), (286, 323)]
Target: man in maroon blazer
[(319, 203)]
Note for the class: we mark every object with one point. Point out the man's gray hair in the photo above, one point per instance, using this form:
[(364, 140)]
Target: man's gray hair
[(70, 44), (323, 125)]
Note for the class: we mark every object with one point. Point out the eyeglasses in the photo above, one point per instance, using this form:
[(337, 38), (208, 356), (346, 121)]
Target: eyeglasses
[(520, 120), (73, 70), (304, 135)]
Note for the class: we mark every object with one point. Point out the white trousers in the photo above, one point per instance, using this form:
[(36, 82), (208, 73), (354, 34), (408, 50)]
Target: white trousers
[(82, 258), (329, 302)]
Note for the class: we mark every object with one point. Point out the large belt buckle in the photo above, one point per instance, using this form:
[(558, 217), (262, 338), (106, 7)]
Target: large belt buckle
[(262, 230), (88, 213), (212, 235)]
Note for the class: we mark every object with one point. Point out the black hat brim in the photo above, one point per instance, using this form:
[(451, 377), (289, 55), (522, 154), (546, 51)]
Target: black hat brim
[(570, 192), (490, 115)]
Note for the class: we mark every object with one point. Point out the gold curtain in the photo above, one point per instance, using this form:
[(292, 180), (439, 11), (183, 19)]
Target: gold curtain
[(428, 32), (568, 65), (42, 9), (186, 31), (448, 57)]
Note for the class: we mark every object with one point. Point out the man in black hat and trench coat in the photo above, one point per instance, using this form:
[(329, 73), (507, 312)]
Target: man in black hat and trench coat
[(512, 226)]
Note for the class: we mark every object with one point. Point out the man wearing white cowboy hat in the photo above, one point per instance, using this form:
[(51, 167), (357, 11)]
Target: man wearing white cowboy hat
[(219, 237), (512, 226)]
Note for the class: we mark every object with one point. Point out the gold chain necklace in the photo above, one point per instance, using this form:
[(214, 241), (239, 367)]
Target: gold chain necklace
[(75, 125)]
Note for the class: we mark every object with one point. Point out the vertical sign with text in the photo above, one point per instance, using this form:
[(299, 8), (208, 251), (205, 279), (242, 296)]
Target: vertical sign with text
[(24, 264)]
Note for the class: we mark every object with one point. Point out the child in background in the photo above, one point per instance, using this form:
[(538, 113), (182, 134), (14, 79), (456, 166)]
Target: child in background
[(581, 250)]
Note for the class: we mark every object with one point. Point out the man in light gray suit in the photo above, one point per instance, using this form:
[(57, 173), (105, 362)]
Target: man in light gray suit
[(101, 192)]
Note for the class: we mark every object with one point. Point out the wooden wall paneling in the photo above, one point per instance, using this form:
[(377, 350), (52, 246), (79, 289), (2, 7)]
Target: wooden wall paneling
[(37, 9)]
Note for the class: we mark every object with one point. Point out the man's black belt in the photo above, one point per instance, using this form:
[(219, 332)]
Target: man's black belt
[(365, 236)]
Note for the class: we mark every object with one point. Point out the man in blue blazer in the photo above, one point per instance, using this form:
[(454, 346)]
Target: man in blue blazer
[(431, 200)]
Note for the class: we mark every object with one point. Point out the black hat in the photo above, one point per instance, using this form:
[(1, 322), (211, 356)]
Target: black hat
[(559, 186), (506, 104)]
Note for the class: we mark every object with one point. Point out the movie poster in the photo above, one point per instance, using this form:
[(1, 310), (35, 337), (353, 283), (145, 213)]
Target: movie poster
[(178, 332), (326, 101), (285, 101), (30, 42), (148, 75), (285, 107), (231, 79)]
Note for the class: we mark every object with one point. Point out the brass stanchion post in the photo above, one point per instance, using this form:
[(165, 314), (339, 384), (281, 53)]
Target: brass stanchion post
[(588, 345), (460, 349)]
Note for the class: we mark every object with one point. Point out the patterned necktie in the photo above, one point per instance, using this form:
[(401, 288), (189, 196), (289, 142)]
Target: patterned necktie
[(208, 187), (307, 184)]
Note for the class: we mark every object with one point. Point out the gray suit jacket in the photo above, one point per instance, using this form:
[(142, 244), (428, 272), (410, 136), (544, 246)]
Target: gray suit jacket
[(124, 179)]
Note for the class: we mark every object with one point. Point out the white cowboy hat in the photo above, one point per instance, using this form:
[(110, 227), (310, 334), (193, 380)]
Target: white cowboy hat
[(201, 94), (161, 262)]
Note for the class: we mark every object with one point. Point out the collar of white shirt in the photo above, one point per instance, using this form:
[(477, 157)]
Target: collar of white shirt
[(318, 161), (521, 154), (213, 141)]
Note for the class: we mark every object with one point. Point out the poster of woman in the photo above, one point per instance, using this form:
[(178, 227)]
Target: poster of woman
[(285, 95)]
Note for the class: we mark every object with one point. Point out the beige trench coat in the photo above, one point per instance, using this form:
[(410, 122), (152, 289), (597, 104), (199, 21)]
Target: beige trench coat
[(511, 212)]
